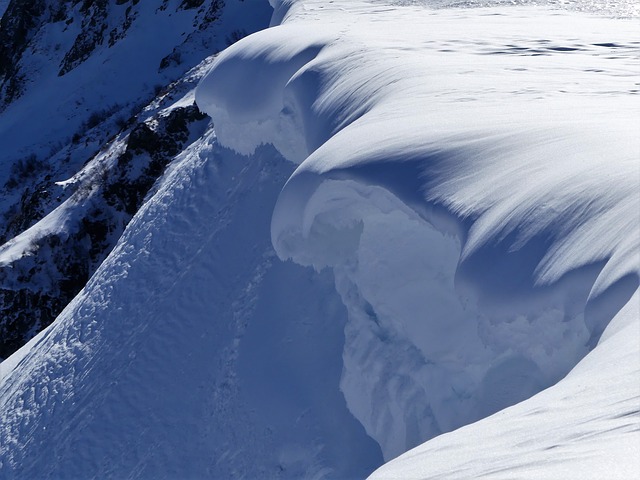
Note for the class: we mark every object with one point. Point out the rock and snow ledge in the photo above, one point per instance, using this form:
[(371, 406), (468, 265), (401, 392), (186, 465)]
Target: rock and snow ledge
[(471, 177)]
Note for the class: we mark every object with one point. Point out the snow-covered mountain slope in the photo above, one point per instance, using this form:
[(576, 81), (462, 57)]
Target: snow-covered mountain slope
[(105, 61), (193, 352), (45, 266), (465, 183), (471, 177), (101, 57)]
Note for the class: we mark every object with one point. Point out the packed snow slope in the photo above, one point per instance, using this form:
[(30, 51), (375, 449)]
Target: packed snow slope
[(193, 352), (465, 183), (471, 177), (75, 78)]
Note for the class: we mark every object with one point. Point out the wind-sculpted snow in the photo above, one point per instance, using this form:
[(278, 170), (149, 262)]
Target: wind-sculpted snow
[(466, 183), (183, 357), (471, 178)]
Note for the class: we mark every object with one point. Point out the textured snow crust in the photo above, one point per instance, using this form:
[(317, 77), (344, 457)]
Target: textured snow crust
[(184, 357), (586, 426), (471, 178)]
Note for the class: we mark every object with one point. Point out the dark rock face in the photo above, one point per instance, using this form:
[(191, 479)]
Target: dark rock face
[(31, 209), (28, 306), (20, 26), (104, 165), (94, 24), (36, 287), (187, 4), (148, 152), (96, 15), (208, 14), (214, 11), (102, 23), (20, 23)]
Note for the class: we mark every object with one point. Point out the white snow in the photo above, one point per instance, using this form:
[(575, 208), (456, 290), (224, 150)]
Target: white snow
[(465, 183), (584, 427), (471, 177), (208, 280), (184, 357)]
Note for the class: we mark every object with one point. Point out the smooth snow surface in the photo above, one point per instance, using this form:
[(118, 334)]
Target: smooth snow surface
[(471, 177), (465, 183)]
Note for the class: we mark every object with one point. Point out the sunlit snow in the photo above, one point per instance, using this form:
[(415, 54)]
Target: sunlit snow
[(464, 183), (471, 177)]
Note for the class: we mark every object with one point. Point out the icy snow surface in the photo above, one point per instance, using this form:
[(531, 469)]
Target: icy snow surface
[(471, 177)]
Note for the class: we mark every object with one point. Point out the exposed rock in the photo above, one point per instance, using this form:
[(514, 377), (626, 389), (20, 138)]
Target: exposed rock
[(20, 23), (37, 286), (94, 24)]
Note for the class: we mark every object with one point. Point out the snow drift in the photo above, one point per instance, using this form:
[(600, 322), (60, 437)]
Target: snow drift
[(471, 178), (466, 184)]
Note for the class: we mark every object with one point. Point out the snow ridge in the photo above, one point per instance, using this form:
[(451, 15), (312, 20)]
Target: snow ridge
[(480, 252), (464, 183), (75, 166)]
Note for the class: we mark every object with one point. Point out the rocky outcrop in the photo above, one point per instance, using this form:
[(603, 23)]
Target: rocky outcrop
[(35, 287), (19, 25), (101, 23), (148, 152), (94, 24), (110, 150)]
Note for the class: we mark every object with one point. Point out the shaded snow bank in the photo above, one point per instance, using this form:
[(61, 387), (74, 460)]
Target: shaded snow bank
[(586, 426), (471, 178), (423, 356), (183, 356)]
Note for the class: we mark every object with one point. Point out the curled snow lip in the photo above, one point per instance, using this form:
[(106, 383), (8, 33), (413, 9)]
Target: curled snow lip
[(479, 238), (434, 341)]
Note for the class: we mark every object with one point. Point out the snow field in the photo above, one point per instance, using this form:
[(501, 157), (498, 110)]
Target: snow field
[(464, 183), (471, 178)]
